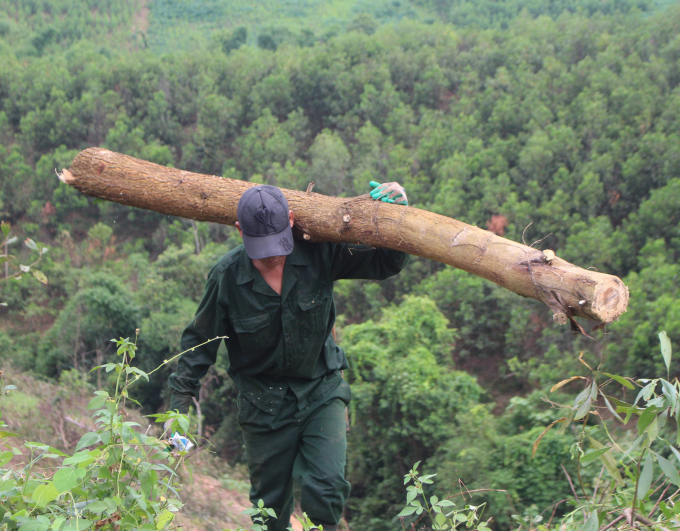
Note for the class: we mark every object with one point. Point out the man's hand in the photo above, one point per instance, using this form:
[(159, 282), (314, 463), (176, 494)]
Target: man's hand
[(176, 440), (389, 193)]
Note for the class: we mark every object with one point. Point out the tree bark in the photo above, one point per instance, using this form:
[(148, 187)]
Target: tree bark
[(567, 289)]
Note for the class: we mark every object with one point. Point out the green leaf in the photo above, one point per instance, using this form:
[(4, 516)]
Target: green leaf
[(78, 457), (31, 244), (581, 397), (135, 370), (607, 460), (37, 446), (87, 440), (669, 392), (646, 477), (5, 228), (6, 457), (110, 405), (675, 452), (7, 484), (44, 494), (97, 507), (583, 409), (592, 456), (653, 430), (633, 447), (440, 518), (666, 350), (77, 524), (645, 392), (647, 417), (668, 469), (623, 381), (104, 473), (35, 525), (592, 523), (97, 402), (39, 276), (148, 482), (406, 511), (164, 519), (67, 478), (611, 409)]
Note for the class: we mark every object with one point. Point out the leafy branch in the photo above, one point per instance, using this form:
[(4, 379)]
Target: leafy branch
[(650, 459), (7, 258)]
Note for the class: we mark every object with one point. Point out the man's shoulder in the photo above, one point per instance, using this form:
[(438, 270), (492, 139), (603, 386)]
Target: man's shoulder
[(311, 252), (229, 261)]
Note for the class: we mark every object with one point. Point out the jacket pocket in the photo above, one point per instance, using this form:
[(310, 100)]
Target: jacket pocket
[(314, 310), (249, 331)]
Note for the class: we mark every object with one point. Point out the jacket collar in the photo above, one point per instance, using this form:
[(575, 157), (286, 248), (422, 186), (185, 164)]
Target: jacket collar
[(299, 256), (247, 271)]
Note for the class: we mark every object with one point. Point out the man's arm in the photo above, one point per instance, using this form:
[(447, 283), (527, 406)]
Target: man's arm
[(359, 261), (208, 323)]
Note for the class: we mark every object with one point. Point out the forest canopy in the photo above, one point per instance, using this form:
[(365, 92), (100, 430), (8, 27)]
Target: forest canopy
[(549, 122)]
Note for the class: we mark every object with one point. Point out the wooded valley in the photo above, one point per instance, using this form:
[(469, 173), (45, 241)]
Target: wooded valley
[(553, 123)]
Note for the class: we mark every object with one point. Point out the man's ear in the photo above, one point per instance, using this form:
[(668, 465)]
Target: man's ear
[(238, 226), (291, 217)]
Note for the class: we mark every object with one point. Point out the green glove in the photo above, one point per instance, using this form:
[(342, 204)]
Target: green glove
[(382, 192)]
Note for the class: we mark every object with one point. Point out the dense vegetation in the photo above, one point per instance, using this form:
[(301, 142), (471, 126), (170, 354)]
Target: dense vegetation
[(554, 126)]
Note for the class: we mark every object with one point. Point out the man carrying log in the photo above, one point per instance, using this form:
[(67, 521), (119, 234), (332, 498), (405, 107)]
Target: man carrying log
[(273, 299)]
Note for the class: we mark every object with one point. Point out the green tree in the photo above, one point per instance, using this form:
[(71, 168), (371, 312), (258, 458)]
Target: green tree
[(406, 398)]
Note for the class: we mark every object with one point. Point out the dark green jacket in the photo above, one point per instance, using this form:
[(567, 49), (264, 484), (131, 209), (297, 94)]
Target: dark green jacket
[(275, 341)]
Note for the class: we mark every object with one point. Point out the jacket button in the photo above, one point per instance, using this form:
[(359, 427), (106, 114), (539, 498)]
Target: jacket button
[(287, 336)]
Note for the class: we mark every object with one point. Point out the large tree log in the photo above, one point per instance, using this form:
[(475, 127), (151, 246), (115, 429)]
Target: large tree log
[(567, 289)]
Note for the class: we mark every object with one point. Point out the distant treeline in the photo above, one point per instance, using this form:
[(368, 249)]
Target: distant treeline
[(564, 132)]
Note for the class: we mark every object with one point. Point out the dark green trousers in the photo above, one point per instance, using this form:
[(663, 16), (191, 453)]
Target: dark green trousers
[(307, 446)]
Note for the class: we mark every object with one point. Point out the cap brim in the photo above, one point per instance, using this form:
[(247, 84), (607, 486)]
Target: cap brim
[(259, 247)]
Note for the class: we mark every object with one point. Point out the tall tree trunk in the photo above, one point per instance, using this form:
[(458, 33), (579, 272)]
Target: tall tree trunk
[(567, 289)]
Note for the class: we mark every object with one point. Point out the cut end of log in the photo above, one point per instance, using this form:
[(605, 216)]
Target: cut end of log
[(610, 300)]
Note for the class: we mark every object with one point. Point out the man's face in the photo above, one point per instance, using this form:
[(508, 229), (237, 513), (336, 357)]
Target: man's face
[(271, 261)]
